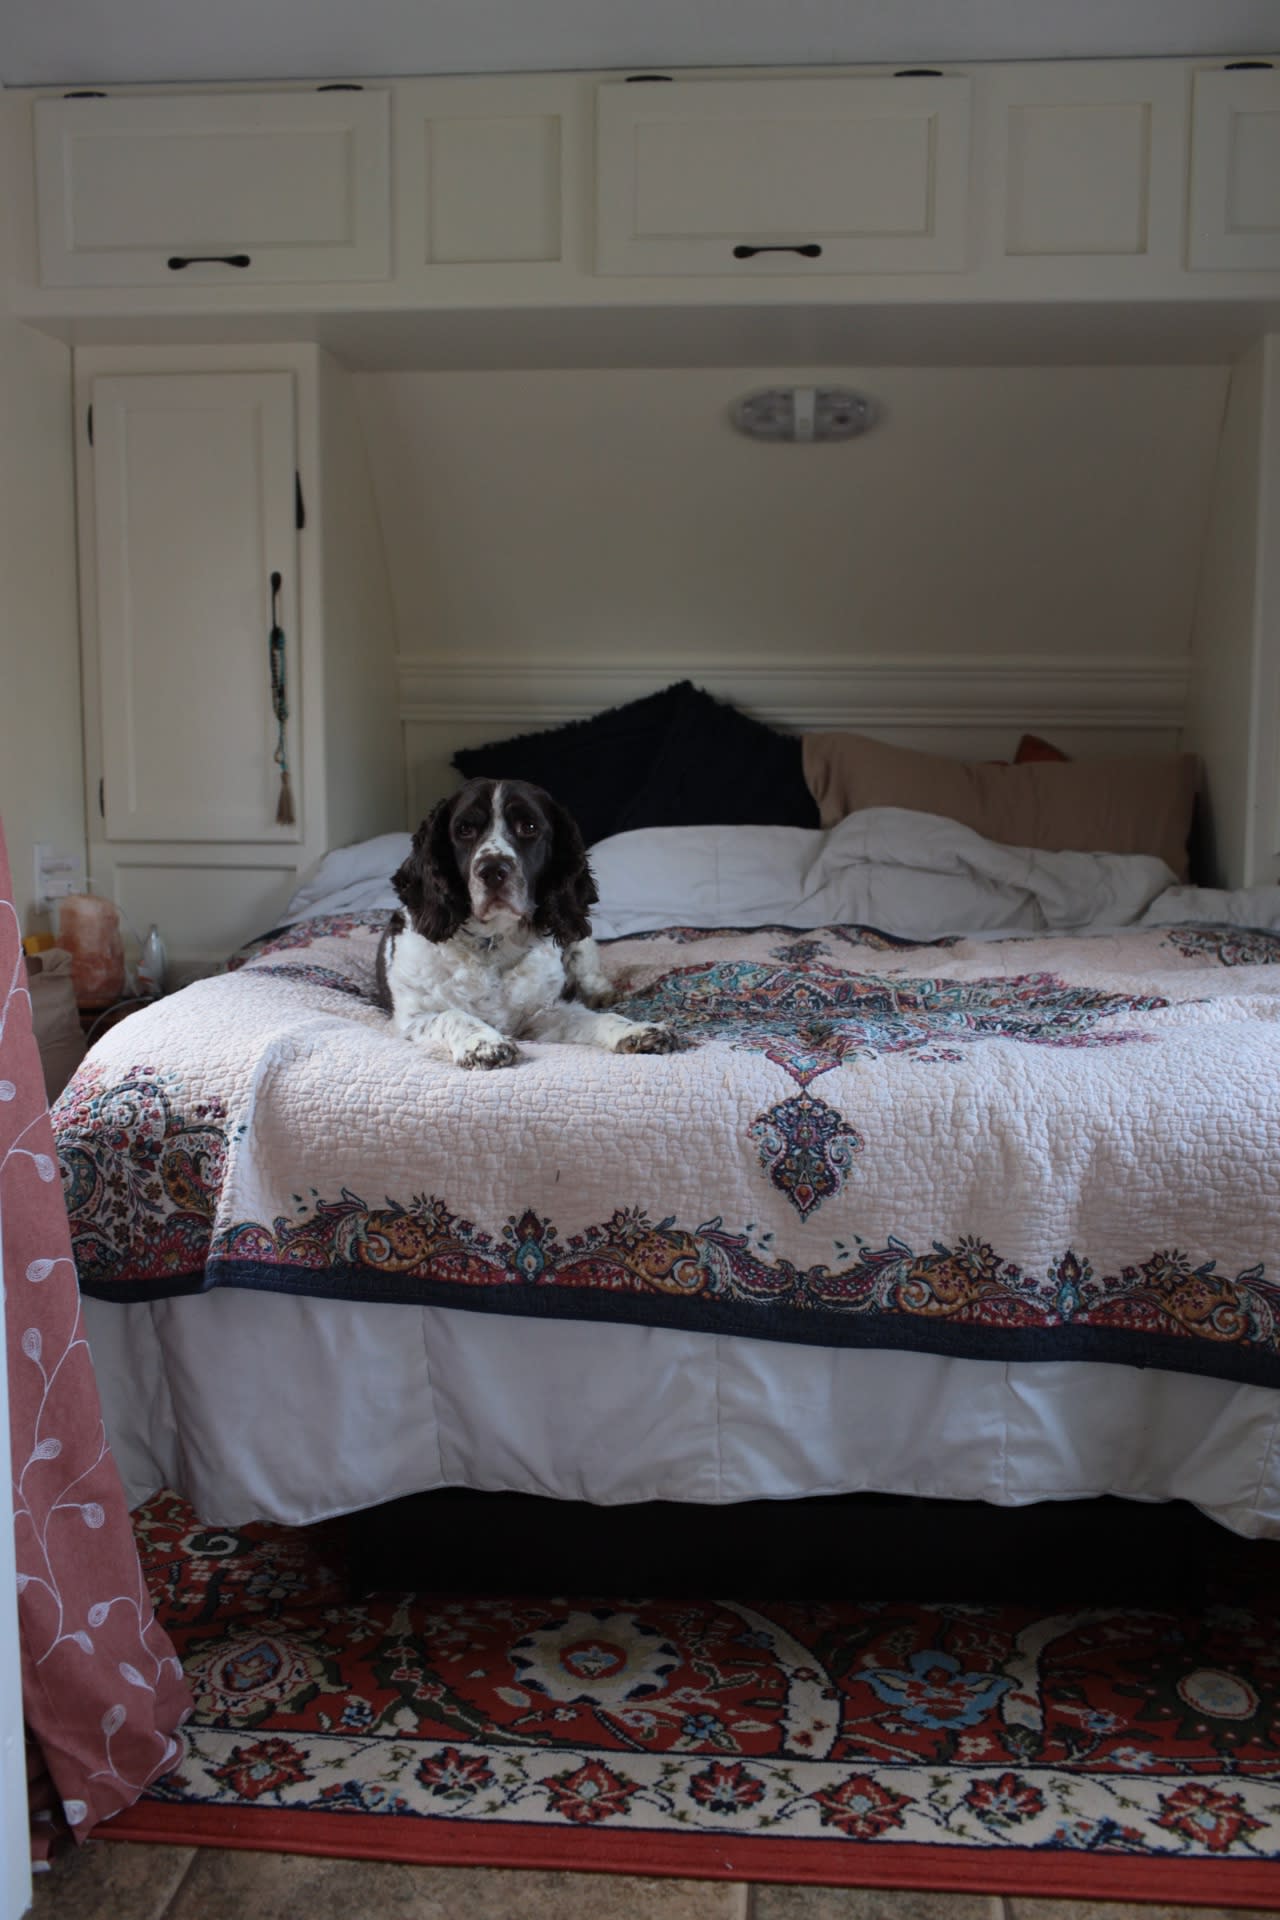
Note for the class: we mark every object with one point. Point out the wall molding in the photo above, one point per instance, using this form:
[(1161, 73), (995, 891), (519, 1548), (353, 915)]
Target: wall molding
[(926, 690)]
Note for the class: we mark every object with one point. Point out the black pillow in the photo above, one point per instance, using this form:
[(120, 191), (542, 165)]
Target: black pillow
[(718, 767), (593, 767)]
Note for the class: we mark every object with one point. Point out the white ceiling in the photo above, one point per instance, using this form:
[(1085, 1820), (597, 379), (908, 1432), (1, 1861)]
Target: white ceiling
[(56, 42)]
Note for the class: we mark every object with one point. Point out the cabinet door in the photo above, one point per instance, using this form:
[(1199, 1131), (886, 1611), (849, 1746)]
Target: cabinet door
[(137, 191), (480, 164), (751, 177), (194, 503), (1085, 163), (1235, 170)]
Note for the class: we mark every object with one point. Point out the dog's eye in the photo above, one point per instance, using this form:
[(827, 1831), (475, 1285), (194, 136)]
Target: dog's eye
[(526, 829), (465, 831)]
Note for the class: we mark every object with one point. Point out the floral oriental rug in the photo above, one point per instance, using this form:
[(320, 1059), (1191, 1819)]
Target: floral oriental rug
[(1110, 1753)]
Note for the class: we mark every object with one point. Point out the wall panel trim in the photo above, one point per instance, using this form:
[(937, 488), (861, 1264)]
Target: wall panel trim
[(510, 692)]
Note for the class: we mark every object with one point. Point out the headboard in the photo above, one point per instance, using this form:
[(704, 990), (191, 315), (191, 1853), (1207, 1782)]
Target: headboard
[(970, 707)]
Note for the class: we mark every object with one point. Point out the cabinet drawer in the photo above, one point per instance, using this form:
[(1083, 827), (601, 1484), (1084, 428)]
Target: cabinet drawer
[(140, 190), (801, 177), (1235, 170)]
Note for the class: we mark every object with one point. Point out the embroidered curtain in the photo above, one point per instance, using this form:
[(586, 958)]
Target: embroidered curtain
[(103, 1692)]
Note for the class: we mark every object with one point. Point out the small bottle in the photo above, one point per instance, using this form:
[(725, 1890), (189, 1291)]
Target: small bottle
[(151, 964)]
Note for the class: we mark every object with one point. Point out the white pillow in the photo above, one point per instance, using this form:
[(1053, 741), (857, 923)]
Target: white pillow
[(913, 874), (351, 879)]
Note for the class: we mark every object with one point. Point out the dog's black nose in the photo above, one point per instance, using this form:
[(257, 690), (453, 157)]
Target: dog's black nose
[(493, 870)]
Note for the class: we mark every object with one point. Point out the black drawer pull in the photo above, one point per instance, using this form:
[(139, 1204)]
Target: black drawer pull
[(809, 248), (918, 73), (1248, 66), (178, 261)]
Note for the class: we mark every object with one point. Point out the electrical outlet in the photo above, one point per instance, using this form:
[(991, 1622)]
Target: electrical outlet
[(56, 874)]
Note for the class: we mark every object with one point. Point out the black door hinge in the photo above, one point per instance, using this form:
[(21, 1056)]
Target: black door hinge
[(102, 798), (299, 504), (89, 424)]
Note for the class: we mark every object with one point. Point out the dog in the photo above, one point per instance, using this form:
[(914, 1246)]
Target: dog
[(494, 943)]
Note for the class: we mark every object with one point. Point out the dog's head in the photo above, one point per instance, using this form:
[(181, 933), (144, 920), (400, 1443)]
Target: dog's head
[(498, 852)]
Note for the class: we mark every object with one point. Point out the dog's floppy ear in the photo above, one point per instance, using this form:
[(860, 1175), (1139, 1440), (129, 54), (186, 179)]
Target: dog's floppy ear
[(429, 882), (566, 886)]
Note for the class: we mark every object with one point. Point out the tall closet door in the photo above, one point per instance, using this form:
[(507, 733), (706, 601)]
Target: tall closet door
[(194, 498)]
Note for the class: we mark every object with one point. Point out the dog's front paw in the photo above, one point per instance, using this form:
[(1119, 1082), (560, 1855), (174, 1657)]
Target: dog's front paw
[(654, 1038), (489, 1053)]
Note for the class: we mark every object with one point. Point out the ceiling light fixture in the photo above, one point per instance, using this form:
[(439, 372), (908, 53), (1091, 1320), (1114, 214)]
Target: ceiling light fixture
[(804, 413)]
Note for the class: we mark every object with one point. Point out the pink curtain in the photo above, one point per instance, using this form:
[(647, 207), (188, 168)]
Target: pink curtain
[(103, 1693)]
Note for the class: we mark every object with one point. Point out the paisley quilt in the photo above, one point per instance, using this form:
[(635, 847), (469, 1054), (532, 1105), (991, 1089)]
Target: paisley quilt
[(1038, 1148)]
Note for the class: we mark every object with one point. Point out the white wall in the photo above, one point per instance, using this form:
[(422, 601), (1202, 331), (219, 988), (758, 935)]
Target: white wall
[(1009, 548), (1233, 707), (1222, 696), (600, 516), (41, 776)]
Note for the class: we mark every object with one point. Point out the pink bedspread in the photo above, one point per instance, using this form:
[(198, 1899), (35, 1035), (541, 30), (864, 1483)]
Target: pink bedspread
[(103, 1692)]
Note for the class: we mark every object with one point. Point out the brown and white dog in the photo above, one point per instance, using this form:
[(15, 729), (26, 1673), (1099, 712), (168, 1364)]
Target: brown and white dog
[(494, 943)]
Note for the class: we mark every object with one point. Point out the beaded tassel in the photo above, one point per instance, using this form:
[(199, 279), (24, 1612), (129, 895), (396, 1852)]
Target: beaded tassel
[(285, 816)]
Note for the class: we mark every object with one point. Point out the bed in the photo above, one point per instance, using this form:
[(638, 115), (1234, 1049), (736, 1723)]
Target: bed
[(962, 1185)]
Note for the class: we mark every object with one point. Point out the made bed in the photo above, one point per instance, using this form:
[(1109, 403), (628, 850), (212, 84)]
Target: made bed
[(962, 1184)]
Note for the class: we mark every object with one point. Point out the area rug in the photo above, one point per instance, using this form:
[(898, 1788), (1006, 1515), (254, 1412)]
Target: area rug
[(1103, 1754)]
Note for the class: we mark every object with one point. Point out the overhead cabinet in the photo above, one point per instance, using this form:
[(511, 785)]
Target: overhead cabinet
[(783, 176), (479, 172), (1084, 164), (148, 190), (1235, 169)]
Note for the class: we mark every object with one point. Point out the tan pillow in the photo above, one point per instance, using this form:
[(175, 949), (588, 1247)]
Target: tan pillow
[(1137, 805)]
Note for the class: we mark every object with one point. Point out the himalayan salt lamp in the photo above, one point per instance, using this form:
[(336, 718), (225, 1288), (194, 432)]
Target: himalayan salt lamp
[(89, 929)]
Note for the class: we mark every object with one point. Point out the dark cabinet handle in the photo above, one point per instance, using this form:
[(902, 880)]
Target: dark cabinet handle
[(179, 260), (809, 248)]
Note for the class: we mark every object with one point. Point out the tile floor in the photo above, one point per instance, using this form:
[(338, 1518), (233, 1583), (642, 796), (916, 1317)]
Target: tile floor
[(113, 1880)]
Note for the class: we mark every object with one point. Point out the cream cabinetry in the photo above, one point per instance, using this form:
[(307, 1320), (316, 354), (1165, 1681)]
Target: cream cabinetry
[(582, 218), (796, 176), (194, 508), (1084, 171), (221, 491), (1235, 170), (480, 174), (151, 189)]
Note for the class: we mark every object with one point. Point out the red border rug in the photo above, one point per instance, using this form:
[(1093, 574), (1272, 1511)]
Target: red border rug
[(1109, 1753)]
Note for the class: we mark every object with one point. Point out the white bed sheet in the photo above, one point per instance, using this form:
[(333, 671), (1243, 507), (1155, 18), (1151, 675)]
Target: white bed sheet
[(261, 1406)]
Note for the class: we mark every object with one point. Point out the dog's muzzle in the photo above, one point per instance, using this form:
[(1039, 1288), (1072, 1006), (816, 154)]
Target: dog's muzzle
[(496, 886)]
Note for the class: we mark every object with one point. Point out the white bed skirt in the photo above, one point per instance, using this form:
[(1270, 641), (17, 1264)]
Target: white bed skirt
[(261, 1406)]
